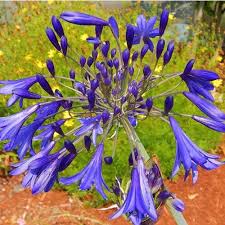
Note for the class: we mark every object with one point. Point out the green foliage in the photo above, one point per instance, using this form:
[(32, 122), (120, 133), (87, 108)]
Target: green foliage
[(24, 49)]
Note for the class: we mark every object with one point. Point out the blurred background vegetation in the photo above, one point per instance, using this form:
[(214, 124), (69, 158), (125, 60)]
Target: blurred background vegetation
[(196, 27)]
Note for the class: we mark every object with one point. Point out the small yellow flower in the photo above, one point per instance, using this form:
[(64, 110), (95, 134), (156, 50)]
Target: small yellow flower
[(28, 57), (18, 27), (54, 87), (158, 69), (20, 70), (219, 58), (40, 64), (69, 123), (55, 135), (51, 53), (24, 10), (217, 83), (66, 115), (1, 53), (171, 16), (125, 43), (83, 37), (60, 54)]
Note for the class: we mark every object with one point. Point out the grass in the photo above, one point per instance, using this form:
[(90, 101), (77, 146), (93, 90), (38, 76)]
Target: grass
[(24, 49)]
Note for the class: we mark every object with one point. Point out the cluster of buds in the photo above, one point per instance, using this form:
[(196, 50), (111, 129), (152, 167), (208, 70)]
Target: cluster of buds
[(105, 91)]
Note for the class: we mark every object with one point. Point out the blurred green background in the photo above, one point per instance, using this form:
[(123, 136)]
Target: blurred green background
[(24, 49)]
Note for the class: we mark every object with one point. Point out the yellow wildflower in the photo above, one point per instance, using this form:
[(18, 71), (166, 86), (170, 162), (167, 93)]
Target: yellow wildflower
[(24, 10), (60, 54), (40, 64), (55, 86), (28, 57), (158, 69), (51, 53), (66, 115), (55, 135), (20, 70), (217, 83), (83, 37), (18, 27), (219, 58), (171, 16), (1, 53), (69, 123)]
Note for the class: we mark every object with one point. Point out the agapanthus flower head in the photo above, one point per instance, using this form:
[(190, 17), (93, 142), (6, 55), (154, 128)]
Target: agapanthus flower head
[(113, 88)]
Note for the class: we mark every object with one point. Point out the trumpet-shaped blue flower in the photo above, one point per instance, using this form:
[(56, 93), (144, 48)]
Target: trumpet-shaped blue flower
[(190, 155), (90, 125), (139, 202), (91, 174), (205, 106)]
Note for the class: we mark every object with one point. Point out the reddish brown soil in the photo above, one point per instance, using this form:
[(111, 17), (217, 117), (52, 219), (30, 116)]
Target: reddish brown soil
[(205, 204)]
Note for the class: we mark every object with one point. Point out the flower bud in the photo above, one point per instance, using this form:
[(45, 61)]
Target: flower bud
[(64, 45), (52, 38), (116, 63), (44, 84), (105, 116), (105, 48), (57, 26), (50, 67), (159, 48), (168, 105), (129, 36), (144, 51), (163, 21), (90, 61), (149, 104), (91, 99), (117, 110), (135, 56), (70, 147), (168, 54), (126, 57), (130, 160), (82, 61), (72, 74), (87, 142), (108, 160), (94, 54), (113, 52), (80, 87), (189, 67), (131, 70), (94, 84), (146, 71), (110, 63)]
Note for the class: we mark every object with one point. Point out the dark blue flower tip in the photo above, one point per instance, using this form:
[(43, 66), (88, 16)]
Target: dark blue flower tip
[(110, 63), (26, 94), (90, 61), (146, 71), (130, 159), (52, 38), (117, 110), (163, 21), (94, 54), (114, 26), (82, 19), (131, 70), (144, 50), (57, 26), (72, 74), (134, 56), (70, 147), (57, 127), (210, 123), (105, 116), (126, 57), (87, 142), (116, 63), (129, 36), (82, 61), (168, 104), (105, 48), (91, 99), (149, 104), (51, 67), (159, 48), (94, 84), (64, 45), (44, 84), (113, 53), (205, 106), (108, 160), (123, 99), (188, 67), (58, 94), (178, 204)]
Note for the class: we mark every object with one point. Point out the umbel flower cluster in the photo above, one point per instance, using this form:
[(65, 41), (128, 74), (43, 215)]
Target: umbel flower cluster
[(105, 91)]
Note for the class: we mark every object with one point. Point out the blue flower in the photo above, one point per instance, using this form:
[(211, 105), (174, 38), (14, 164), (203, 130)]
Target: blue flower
[(11, 85), (91, 124), (198, 81), (144, 31), (205, 106), (90, 175), (47, 132), (10, 125), (82, 19), (190, 155), (139, 201)]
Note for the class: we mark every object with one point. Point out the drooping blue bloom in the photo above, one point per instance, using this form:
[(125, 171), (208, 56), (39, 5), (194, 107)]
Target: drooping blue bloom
[(10, 85), (163, 21), (90, 175), (198, 81), (47, 132), (159, 48), (145, 30), (90, 125), (52, 38), (205, 106), (212, 124), (139, 201), (57, 26), (64, 45), (10, 125), (51, 67), (168, 104), (190, 155), (82, 19)]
